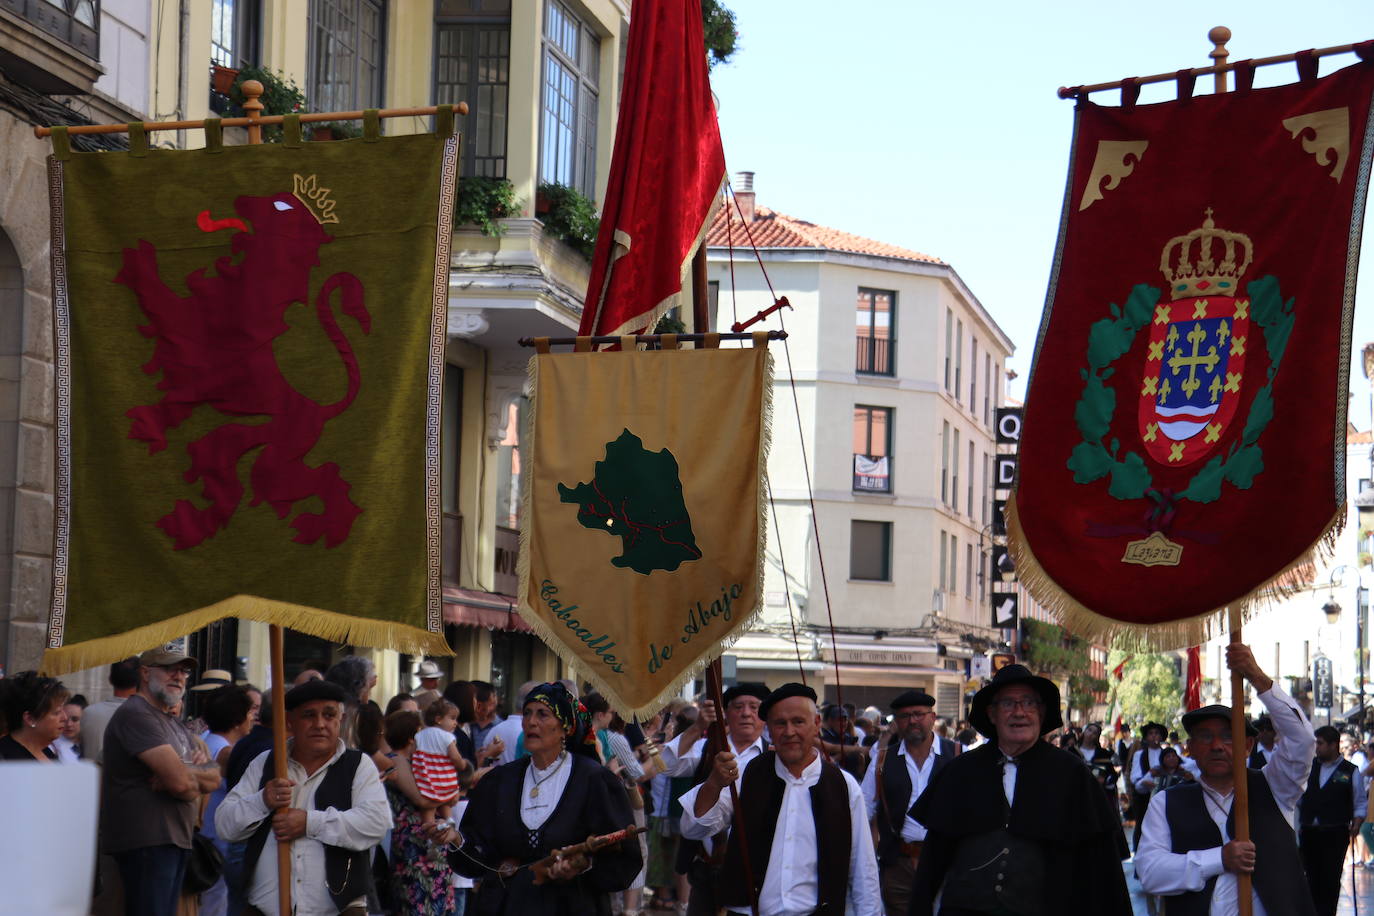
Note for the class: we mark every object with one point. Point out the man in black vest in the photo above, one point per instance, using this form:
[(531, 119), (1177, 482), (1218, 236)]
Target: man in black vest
[(1186, 850), (1144, 767), (1329, 816), (1264, 743), (332, 809), (805, 840), (901, 770), (1016, 823)]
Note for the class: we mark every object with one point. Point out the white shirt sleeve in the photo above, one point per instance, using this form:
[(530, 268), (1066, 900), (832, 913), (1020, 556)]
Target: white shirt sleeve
[(681, 761), (865, 898), (243, 808), (361, 826), (716, 819), (870, 788), (1162, 871), (1291, 764), (1144, 784)]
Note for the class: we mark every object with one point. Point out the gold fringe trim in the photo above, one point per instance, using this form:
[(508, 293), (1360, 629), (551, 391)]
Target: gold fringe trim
[(335, 627), (568, 655), (1176, 634)]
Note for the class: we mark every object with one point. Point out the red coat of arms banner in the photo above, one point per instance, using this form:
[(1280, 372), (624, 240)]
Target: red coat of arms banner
[(1185, 420)]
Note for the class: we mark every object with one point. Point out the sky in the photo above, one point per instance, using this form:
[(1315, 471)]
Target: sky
[(935, 126)]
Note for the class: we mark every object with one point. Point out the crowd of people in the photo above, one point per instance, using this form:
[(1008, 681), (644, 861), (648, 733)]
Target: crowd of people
[(770, 804)]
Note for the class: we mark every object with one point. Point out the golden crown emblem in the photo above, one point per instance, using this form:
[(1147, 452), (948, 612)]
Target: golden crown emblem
[(315, 198), (1191, 266)]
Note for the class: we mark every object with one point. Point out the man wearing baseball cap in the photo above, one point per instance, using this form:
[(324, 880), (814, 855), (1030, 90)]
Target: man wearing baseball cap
[(1187, 848), (1011, 824), (154, 774)]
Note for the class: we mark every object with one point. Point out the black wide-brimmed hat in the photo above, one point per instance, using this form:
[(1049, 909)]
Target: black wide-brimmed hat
[(1215, 711), (1007, 677), (1145, 729)]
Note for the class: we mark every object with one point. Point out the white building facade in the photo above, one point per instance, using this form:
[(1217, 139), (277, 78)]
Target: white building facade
[(881, 475)]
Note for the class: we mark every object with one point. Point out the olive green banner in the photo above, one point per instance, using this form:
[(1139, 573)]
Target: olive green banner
[(643, 529), (249, 360)]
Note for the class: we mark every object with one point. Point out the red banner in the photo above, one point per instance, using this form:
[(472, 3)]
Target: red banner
[(666, 173), (1192, 685), (1185, 420)]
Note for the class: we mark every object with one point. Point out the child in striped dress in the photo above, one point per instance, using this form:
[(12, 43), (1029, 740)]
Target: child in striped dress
[(437, 761)]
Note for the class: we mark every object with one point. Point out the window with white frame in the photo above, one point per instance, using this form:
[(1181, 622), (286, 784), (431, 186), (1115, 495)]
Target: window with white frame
[(234, 33), (572, 70)]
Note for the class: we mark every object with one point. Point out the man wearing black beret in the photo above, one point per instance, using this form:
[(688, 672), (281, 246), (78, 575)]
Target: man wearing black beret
[(1014, 822), (901, 770), (1187, 851), (691, 754), (808, 842), (331, 809)]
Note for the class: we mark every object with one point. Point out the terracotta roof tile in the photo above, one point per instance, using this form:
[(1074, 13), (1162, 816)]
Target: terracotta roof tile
[(771, 229)]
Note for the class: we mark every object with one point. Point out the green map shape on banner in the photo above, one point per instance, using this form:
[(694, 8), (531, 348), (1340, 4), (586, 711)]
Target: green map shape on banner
[(636, 495)]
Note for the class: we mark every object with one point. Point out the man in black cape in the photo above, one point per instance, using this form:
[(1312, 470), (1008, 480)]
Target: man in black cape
[(1014, 823)]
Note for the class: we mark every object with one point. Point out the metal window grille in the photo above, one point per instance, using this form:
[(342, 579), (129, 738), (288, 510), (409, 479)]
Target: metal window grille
[(76, 22), (875, 326)]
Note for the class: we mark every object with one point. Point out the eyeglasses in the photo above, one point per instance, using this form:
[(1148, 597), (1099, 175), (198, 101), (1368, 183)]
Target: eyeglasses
[(1010, 704), (908, 716), (1207, 737)]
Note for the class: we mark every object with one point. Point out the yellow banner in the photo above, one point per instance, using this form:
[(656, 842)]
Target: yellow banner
[(643, 532)]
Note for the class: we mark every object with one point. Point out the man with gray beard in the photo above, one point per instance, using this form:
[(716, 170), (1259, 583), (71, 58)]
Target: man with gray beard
[(152, 780)]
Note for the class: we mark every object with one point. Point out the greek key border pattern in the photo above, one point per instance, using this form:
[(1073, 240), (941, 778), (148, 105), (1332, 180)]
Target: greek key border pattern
[(57, 619), (438, 339)]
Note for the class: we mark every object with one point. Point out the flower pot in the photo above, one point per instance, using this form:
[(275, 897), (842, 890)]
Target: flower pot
[(542, 203), (323, 132), (222, 79)]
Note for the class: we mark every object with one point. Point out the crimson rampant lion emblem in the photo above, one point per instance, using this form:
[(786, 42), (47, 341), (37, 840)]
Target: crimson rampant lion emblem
[(214, 348)]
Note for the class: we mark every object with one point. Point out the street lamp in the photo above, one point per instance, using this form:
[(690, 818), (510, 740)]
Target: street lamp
[(1332, 610)]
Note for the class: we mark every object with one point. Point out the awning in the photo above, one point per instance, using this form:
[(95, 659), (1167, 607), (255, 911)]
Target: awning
[(894, 676), (475, 608)]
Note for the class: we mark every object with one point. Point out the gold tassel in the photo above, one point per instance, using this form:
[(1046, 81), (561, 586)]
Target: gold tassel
[(1160, 637)]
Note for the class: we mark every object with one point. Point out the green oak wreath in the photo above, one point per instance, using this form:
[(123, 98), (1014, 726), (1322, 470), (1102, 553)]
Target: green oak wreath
[(1111, 338)]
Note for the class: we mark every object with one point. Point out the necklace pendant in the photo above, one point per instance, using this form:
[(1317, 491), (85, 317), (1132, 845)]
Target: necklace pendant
[(534, 792)]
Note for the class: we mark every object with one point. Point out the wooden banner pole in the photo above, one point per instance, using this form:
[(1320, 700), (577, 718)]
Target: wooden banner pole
[(713, 687), (1240, 801)]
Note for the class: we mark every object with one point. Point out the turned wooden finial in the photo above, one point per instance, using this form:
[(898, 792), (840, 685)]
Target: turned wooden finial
[(1218, 36), (252, 106)]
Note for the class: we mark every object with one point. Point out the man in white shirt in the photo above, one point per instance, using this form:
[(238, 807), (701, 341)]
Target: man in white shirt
[(683, 757), (900, 773), (1187, 851), (332, 809), (1329, 815), (793, 805)]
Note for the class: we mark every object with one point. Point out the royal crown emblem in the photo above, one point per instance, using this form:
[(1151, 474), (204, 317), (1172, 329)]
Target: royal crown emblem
[(316, 199), (1195, 364)]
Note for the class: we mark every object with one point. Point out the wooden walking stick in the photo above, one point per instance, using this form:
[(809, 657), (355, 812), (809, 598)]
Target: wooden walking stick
[(713, 679)]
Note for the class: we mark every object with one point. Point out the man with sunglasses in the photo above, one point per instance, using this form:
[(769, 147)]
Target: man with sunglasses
[(902, 769), (1012, 823), (1187, 848), (151, 784)]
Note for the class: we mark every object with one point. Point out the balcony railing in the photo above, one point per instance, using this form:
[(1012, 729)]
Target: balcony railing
[(873, 355), (872, 475)]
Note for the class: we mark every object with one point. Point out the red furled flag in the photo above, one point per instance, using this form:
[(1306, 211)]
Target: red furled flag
[(1184, 437), (666, 173), (1192, 690)]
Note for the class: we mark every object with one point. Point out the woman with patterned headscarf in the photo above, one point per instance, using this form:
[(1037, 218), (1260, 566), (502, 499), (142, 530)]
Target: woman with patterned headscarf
[(557, 796)]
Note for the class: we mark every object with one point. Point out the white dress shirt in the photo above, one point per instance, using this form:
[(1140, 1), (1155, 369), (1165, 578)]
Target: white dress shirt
[(1162, 871), (551, 781), (686, 765), (790, 887), (360, 827), (912, 831)]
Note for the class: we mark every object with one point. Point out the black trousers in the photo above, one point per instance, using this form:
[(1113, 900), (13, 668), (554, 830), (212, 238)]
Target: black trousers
[(1323, 858)]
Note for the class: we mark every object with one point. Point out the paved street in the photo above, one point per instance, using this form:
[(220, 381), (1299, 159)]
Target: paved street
[(1364, 886)]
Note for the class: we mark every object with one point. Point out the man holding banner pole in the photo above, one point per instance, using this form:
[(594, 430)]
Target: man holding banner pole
[(1187, 851)]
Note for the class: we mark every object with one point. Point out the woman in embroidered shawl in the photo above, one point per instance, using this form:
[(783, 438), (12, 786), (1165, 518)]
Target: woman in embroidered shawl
[(557, 796)]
